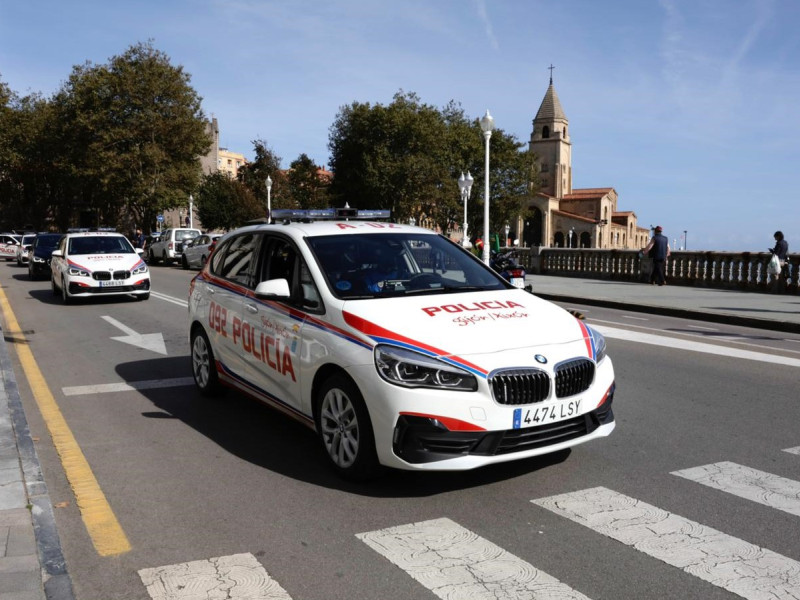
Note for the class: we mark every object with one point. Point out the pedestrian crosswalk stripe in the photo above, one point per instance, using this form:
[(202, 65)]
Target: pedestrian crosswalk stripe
[(456, 564), (793, 450), (239, 576), (751, 484), (725, 561)]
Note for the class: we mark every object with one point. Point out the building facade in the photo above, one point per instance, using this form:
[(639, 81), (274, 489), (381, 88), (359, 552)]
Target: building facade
[(558, 215)]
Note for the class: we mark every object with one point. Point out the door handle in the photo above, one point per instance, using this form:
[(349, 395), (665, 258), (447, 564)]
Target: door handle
[(251, 308)]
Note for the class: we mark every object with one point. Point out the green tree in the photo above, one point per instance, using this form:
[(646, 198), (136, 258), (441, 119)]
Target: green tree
[(304, 185), (254, 176), (133, 131), (407, 157), (225, 203)]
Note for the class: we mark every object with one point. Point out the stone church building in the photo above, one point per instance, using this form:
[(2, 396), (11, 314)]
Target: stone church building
[(560, 216)]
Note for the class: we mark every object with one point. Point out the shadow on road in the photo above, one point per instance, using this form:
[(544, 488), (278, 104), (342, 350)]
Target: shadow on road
[(267, 438)]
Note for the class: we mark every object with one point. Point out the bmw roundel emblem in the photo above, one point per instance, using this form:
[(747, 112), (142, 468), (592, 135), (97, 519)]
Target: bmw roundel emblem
[(541, 359)]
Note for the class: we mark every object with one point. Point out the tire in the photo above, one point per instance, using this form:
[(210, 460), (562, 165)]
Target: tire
[(165, 259), (185, 263), (345, 429), (151, 258), (54, 286), (204, 367), (65, 297)]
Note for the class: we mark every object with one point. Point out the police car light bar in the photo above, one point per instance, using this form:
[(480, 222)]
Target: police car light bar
[(317, 214)]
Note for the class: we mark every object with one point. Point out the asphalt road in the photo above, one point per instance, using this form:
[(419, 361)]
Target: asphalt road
[(193, 480)]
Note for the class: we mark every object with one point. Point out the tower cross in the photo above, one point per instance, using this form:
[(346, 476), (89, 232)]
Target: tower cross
[(551, 67)]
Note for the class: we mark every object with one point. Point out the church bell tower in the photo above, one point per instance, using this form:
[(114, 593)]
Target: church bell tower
[(550, 141)]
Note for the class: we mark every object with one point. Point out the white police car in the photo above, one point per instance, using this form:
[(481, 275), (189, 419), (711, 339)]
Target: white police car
[(98, 263), (399, 347)]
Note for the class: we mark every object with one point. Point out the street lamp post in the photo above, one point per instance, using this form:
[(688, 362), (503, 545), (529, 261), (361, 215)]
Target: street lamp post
[(685, 247), (487, 124), (269, 199), (507, 228), (191, 212), (465, 185)]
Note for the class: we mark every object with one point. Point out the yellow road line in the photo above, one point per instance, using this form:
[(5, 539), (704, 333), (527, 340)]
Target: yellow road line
[(104, 529)]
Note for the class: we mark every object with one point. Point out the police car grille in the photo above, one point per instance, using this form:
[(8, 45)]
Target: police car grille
[(574, 377), (519, 440), (109, 275), (520, 386)]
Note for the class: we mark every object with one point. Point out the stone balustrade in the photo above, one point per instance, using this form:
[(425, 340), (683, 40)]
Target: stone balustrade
[(745, 271)]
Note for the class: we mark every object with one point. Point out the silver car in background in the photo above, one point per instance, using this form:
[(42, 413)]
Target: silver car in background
[(197, 251)]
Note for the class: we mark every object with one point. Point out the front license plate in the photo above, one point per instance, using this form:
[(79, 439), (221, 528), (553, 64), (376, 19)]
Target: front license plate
[(113, 283), (518, 282), (541, 415)]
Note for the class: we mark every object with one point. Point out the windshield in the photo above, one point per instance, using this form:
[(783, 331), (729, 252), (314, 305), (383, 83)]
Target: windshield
[(28, 239), (186, 234), (100, 245), (398, 264), (46, 241)]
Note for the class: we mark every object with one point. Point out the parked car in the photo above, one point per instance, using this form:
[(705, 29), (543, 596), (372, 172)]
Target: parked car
[(96, 263), (40, 254), (398, 347), (24, 248), (167, 247), (8, 245), (197, 251)]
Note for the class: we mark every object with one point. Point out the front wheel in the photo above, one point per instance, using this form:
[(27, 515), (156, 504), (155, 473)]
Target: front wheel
[(184, 262), (345, 429), (204, 367), (65, 297), (53, 285)]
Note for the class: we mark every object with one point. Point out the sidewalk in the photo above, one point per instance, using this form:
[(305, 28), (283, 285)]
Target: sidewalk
[(778, 312), (31, 563)]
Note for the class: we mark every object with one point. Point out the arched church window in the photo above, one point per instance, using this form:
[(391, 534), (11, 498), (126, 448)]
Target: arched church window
[(545, 132)]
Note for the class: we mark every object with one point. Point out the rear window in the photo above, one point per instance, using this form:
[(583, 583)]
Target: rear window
[(186, 234)]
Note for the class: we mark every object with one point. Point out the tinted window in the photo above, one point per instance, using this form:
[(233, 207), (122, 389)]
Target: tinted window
[(100, 245), (236, 259)]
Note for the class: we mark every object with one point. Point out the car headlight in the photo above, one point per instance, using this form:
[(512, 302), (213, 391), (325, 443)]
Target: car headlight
[(412, 369), (37, 259), (139, 270), (78, 272), (599, 345)]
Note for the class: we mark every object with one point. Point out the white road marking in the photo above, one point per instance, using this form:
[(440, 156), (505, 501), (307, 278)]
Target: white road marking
[(692, 346), (793, 450), (725, 561), (239, 576), (106, 388), (751, 484), (456, 564), (149, 341), (703, 328), (172, 299), (634, 318)]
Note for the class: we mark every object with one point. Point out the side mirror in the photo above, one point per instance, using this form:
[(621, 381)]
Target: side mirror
[(139, 251), (529, 288), (273, 289), (57, 253)]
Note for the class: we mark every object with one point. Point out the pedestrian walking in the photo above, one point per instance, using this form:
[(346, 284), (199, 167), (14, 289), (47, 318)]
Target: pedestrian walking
[(658, 250), (781, 251), (138, 241)]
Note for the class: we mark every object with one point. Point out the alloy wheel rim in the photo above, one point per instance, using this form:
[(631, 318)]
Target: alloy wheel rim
[(339, 425), (200, 361)]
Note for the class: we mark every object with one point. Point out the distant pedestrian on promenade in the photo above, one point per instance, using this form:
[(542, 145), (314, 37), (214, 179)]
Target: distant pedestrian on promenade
[(658, 250), (781, 250)]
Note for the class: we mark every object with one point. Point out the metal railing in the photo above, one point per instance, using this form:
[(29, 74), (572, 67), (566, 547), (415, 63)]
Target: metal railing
[(730, 270)]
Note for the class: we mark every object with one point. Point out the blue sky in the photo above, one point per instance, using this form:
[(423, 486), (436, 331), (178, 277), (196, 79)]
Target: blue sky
[(688, 108)]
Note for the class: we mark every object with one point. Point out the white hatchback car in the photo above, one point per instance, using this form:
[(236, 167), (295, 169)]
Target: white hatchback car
[(98, 263), (396, 345)]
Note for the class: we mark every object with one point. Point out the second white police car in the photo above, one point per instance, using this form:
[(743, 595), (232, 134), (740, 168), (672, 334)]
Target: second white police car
[(396, 345), (98, 263)]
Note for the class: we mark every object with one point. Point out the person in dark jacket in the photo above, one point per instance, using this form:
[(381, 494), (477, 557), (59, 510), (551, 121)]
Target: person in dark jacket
[(781, 250), (658, 250)]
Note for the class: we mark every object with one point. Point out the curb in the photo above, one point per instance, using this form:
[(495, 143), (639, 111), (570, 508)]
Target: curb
[(696, 315), (55, 578)]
